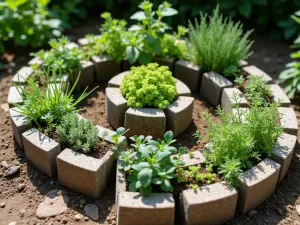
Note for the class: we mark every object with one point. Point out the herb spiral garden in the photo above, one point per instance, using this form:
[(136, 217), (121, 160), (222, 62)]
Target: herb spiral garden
[(159, 82)]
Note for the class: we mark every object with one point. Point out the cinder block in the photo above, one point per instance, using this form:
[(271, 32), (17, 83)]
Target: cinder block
[(283, 151), (145, 121), (210, 204), (192, 159), (165, 61), (188, 73), (117, 80), (279, 95), (14, 96), (19, 124), (81, 173), (227, 101), (122, 140), (288, 120), (72, 45), (120, 182), (35, 61), (243, 63), (212, 86), (116, 106), (41, 151), (254, 71), (182, 89), (86, 74), (257, 184), (106, 67), (133, 209), (126, 65), (22, 75), (179, 114)]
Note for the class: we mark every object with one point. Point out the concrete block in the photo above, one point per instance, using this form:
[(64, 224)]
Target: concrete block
[(279, 95), (165, 61), (22, 75), (210, 204), (41, 151), (192, 159), (19, 124), (243, 63), (82, 41), (120, 181), (133, 209), (179, 114), (182, 89), (72, 45), (35, 61), (86, 74), (14, 96), (188, 73), (81, 173), (150, 121), (227, 101), (288, 120), (117, 80), (122, 140), (257, 184), (212, 86), (126, 65), (116, 106), (254, 71), (106, 67), (283, 151)]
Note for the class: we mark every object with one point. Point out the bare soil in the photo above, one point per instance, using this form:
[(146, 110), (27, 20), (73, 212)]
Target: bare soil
[(280, 208)]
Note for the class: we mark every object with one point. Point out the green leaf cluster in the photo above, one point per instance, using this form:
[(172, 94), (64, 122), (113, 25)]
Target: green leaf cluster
[(241, 139), (149, 86), (150, 163), (26, 22), (80, 133), (257, 87), (61, 57), (219, 43), (291, 75), (46, 106)]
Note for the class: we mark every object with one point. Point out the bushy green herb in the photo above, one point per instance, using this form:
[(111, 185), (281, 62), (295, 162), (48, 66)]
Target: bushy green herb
[(232, 71), (239, 81), (80, 133), (241, 140), (148, 37), (218, 44), (60, 57), (291, 76), (53, 101), (26, 22), (148, 86), (257, 86), (150, 163)]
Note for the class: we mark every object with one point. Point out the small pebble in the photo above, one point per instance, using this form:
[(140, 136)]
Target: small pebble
[(21, 187), (77, 217), (2, 205), (22, 212)]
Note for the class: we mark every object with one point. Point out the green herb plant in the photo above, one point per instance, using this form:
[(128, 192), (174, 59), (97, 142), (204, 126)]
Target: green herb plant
[(257, 87), (150, 163), (241, 139), (148, 37), (218, 44), (149, 86), (46, 106), (78, 132)]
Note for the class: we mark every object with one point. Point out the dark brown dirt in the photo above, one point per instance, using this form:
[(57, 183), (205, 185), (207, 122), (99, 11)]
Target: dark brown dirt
[(270, 56)]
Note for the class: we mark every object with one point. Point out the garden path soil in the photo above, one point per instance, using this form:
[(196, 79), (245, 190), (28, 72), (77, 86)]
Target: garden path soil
[(280, 208)]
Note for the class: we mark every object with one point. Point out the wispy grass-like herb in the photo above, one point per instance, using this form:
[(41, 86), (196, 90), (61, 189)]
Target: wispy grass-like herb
[(218, 43)]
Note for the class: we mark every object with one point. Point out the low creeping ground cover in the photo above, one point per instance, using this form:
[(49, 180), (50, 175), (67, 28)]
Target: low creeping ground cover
[(149, 86), (218, 43), (241, 140)]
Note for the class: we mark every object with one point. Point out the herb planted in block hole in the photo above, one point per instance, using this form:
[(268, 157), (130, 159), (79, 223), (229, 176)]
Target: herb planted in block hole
[(258, 87), (218, 44)]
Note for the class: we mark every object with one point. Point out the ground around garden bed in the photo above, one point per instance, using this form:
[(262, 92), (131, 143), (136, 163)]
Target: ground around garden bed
[(22, 193)]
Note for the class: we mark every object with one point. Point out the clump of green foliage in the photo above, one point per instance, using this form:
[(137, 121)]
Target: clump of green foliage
[(241, 139), (46, 106), (257, 87), (26, 22), (150, 163), (80, 133), (148, 37), (219, 43), (291, 76), (61, 57), (149, 86)]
